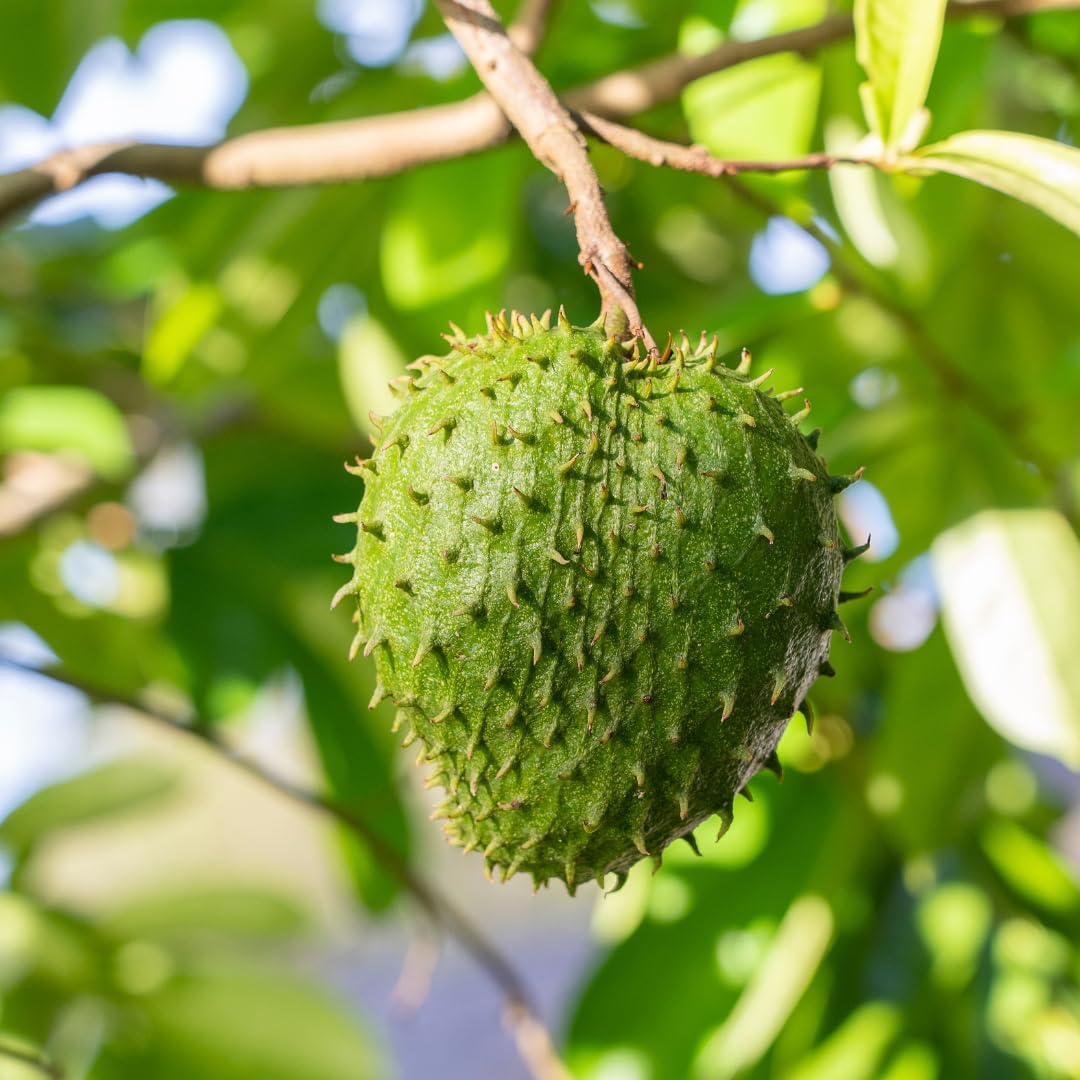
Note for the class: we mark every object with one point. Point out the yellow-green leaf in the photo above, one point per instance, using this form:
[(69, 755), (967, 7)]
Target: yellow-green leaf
[(764, 109), (896, 41), (1043, 173)]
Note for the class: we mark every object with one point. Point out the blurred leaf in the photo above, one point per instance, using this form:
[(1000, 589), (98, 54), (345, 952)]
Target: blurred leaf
[(241, 911), (896, 41), (368, 359), (70, 418), (765, 109), (239, 1026), (181, 325), (925, 707), (1031, 867), (428, 256), (22, 1060), (118, 788), (1040, 172), (954, 921), (855, 1050), (913, 1061), (795, 953), (1010, 586), (102, 646)]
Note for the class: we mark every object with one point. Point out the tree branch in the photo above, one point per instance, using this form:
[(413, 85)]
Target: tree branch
[(696, 159), (385, 145), (276, 157), (530, 104), (530, 1034)]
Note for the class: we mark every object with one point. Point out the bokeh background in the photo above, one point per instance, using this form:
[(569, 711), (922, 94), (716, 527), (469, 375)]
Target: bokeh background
[(181, 377)]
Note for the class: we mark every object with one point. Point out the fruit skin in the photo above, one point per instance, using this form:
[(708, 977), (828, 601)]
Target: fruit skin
[(597, 586)]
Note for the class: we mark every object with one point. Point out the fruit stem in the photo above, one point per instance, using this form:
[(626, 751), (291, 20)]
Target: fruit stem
[(555, 139)]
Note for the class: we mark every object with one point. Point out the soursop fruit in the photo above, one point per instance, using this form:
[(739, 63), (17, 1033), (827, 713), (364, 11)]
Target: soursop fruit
[(596, 584)]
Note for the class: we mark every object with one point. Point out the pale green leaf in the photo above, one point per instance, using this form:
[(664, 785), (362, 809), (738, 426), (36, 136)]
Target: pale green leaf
[(368, 359), (1043, 173), (1010, 587), (237, 910), (896, 41), (224, 1026), (119, 787), (794, 956)]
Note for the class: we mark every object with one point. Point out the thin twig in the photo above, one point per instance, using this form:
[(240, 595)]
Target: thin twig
[(532, 1037), (388, 144), (31, 1059), (697, 159), (530, 104)]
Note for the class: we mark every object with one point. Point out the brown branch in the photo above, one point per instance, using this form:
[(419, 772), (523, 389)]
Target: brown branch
[(384, 145), (531, 1036), (276, 157), (530, 104)]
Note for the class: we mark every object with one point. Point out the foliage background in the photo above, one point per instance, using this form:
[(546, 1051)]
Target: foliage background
[(905, 905)]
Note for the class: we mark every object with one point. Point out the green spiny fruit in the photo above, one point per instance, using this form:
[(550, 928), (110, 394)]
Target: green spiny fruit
[(596, 584)]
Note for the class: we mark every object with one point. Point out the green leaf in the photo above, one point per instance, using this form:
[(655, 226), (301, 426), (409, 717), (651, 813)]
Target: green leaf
[(428, 256), (1040, 172), (1010, 587), (70, 418), (239, 911), (1031, 867), (788, 967), (855, 1049), (896, 41), (240, 1025), (22, 1060), (925, 705), (763, 109), (119, 787)]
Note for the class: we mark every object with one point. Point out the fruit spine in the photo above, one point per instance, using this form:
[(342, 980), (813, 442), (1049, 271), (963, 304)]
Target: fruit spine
[(596, 585)]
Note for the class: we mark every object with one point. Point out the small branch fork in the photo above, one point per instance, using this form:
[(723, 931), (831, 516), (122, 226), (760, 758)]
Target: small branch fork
[(533, 1040)]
